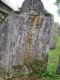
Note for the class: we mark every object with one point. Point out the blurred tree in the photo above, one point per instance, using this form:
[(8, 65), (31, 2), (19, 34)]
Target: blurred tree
[(58, 4)]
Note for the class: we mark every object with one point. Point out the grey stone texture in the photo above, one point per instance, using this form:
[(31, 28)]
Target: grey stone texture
[(35, 5), (24, 39), (52, 44), (53, 37), (58, 66), (4, 7)]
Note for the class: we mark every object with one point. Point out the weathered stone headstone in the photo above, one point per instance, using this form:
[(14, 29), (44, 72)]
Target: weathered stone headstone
[(4, 9), (24, 39), (52, 44), (53, 37), (58, 66)]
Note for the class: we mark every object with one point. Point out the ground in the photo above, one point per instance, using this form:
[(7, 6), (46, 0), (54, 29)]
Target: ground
[(52, 62)]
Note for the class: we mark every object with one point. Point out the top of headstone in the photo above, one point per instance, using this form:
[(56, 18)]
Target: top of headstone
[(35, 5)]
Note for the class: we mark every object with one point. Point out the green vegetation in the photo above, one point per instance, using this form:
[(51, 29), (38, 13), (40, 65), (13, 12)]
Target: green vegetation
[(58, 4), (50, 73), (53, 57)]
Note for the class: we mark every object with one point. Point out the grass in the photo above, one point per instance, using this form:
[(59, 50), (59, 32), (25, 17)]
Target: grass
[(53, 62), (53, 57)]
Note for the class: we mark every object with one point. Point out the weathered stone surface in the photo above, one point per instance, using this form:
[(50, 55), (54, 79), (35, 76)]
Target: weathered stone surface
[(53, 37), (52, 44), (25, 40), (4, 8), (35, 5), (58, 66), (58, 29)]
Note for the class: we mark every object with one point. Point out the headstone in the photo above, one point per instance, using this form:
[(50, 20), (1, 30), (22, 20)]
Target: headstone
[(53, 37), (58, 67), (52, 44), (4, 8), (25, 39)]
